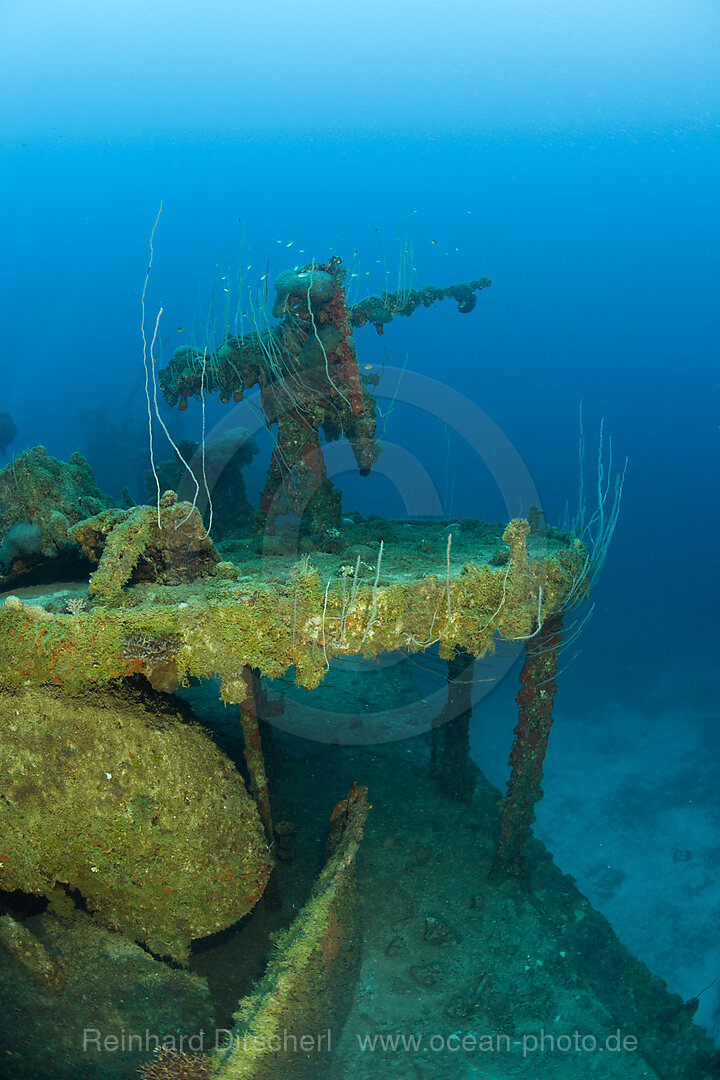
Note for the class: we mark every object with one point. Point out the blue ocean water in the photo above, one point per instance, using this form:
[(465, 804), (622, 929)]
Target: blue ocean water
[(568, 152)]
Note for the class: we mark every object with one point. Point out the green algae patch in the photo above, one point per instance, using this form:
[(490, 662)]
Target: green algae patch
[(304, 991), (123, 797)]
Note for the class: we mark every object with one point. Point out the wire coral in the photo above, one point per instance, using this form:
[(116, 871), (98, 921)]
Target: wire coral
[(310, 384)]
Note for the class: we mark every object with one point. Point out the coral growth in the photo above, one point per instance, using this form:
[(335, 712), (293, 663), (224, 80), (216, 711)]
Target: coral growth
[(168, 545), (380, 310), (305, 984), (40, 499), (324, 394), (272, 614), (309, 382)]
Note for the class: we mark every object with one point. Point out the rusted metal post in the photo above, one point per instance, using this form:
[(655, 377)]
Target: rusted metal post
[(254, 757), (452, 730), (255, 761), (535, 701)]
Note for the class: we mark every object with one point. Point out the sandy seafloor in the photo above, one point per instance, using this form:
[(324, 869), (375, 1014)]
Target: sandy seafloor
[(631, 779)]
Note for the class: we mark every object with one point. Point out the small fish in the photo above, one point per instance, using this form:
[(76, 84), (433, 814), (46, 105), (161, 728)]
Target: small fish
[(356, 252), (433, 241), (367, 367), (263, 277), (290, 244), (181, 329)]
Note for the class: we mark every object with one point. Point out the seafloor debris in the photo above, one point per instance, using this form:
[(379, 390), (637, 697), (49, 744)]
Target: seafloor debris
[(437, 930), (125, 799)]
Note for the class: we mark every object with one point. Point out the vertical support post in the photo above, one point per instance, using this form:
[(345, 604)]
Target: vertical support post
[(452, 730), (255, 761), (254, 757), (535, 701)]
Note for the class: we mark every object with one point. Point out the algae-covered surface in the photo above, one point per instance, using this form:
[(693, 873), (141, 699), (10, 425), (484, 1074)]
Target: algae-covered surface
[(284, 1027), (378, 585), (462, 969), (469, 968), (122, 797)]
